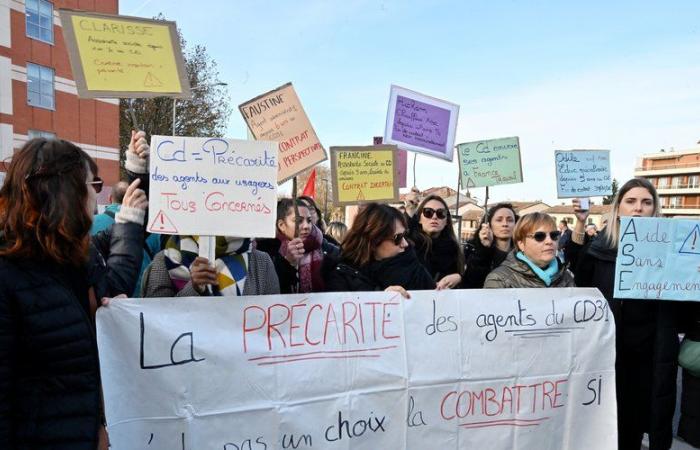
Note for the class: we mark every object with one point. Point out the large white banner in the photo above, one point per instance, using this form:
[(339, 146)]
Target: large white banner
[(496, 369)]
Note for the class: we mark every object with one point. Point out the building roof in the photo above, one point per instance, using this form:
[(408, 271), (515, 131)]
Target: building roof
[(519, 205), (569, 209)]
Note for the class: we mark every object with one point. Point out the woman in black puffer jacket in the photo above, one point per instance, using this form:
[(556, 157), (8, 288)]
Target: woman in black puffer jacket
[(49, 375)]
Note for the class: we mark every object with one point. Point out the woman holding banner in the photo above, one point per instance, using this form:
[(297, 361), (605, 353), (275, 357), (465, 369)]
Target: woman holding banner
[(491, 245), (430, 228), (533, 263), (647, 339), (376, 255), (49, 376)]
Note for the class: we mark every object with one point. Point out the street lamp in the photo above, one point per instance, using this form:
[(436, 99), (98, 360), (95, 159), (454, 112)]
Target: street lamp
[(194, 88)]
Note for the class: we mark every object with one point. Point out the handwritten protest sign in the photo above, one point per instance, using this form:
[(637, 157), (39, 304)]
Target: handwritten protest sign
[(400, 161), (490, 162), (658, 259), (496, 369), (119, 56), (420, 123), (582, 173), (212, 186), (364, 174), (278, 116)]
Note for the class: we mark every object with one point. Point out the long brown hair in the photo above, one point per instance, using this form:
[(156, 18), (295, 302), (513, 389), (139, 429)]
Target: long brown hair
[(43, 210), (374, 224), (448, 231)]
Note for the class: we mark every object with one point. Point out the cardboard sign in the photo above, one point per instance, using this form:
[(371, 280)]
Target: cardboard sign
[(364, 174), (658, 259), (491, 369), (212, 187), (278, 116), (490, 162), (120, 56), (420, 123), (400, 160), (582, 173)]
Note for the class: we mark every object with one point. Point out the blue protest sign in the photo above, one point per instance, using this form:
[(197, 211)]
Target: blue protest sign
[(582, 173), (658, 259)]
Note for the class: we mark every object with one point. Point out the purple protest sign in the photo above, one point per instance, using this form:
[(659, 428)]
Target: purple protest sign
[(420, 123)]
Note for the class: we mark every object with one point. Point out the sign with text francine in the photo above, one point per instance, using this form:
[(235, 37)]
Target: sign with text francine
[(278, 116), (364, 174), (583, 173), (658, 259), (490, 162), (491, 369), (212, 187), (120, 56), (420, 123)]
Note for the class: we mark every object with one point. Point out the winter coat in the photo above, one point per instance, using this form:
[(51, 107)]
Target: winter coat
[(647, 350), (115, 260), (260, 279), (513, 273), (480, 262), (49, 374), (402, 270), (689, 427), (437, 254)]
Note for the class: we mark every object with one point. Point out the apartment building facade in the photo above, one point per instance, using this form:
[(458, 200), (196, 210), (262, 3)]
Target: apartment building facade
[(38, 95), (676, 176)]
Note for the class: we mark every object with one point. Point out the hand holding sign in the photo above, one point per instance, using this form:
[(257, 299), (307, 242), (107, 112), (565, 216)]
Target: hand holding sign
[(139, 144), (202, 274), (134, 197), (486, 235)]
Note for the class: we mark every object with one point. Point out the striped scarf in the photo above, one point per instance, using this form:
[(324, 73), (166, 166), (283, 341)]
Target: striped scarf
[(231, 262)]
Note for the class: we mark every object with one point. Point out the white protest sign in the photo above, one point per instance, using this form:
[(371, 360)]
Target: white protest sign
[(496, 369), (582, 173), (212, 186)]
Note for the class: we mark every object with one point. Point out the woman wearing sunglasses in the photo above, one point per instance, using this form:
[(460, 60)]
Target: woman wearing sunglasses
[(490, 246), (647, 337), (375, 255), (533, 263), (49, 375), (430, 228)]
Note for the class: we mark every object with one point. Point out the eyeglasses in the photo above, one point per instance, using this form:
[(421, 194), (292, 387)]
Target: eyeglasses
[(540, 236), (96, 184), (441, 213), (398, 238)]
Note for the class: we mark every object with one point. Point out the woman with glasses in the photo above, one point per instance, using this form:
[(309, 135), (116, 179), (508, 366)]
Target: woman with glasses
[(376, 255), (533, 263), (647, 337), (49, 375), (490, 246), (430, 228)]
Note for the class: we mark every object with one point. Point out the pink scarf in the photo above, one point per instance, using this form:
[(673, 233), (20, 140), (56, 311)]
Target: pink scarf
[(310, 279)]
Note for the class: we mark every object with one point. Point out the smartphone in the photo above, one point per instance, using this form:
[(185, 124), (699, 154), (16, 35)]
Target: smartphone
[(584, 204)]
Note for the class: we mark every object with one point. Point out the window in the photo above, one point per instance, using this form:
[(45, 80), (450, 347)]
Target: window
[(663, 182), (40, 20), (674, 202), (694, 181), (676, 182), (41, 134), (40, 86)]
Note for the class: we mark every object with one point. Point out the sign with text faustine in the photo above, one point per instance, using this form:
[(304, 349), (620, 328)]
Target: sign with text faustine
[(212, 187), (491, 369), (582, 173), (120, 56), (658, 259), (278, 116), (420, 123), (490, 162), (364, 174)]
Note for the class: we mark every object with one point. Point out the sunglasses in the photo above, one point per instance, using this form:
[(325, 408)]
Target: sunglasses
[(398, 238), (540, 236), (96, 184), (441, 213)]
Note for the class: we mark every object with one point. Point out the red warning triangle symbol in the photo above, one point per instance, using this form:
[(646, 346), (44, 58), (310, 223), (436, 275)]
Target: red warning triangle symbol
[(161, 224), (360, 195)]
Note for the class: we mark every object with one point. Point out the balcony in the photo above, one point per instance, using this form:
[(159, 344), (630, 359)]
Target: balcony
[(667, 169), (679, 189), (680, 210)]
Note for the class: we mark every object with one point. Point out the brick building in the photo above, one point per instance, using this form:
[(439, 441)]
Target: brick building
[(676, 176), (38, 96)]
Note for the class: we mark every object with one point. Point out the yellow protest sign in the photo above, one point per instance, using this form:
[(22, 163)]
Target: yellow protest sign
[(364, 174), (119, 56)]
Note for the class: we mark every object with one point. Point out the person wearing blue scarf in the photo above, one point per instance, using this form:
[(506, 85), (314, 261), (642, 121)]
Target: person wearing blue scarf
[(533, 263)]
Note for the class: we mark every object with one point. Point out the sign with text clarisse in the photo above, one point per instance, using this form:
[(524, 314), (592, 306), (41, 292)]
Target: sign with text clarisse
[(582, 173), (421, 123), (490, 163), (120, 56), (364, 174), (658, 259), (491, 369), (278, 116), (212, 187)]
